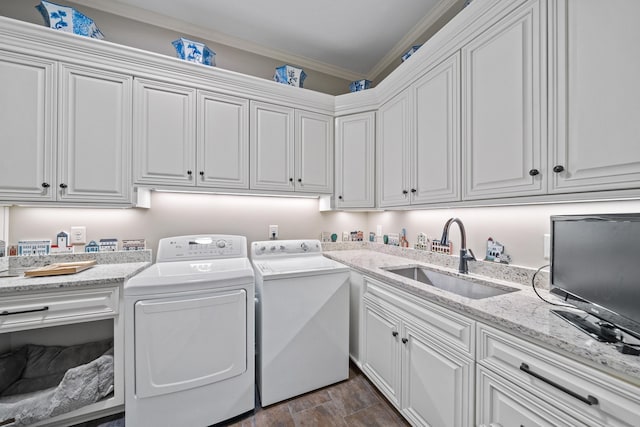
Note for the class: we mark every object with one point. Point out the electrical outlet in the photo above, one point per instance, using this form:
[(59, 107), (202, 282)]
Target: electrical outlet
[(273, 232), (78, 235), (547, 246)]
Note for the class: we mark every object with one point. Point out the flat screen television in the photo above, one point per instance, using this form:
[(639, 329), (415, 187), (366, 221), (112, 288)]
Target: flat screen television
[(595, 266)]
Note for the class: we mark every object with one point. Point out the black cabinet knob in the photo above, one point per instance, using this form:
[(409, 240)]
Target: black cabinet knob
[(290, 179), (299, 179), (394, 333), (189, 173), (405, 340), (558, 168), (405, 192), (202, 173), (340, 197), (534, 172), (45, 185), (63, 186), (413, 190)]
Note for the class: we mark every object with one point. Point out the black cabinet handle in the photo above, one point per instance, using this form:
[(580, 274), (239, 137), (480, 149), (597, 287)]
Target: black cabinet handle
[(290, 179), (340, 197), (299, 179), (63, 186), (413, 190), (45, 185), (189, 173), (202, 173), (534, 172), (394, 333), (589, 400), (558, 168), (9, 313), (405, 192), (405, 340)]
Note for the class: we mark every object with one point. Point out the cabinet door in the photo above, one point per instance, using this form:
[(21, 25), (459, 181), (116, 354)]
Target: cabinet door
[(502, 403), (271, 147), (392, 151), (436, 153), (94, 144), (380, 352), (594, 95), (164, 147), (437, 384), (28, 123), (355, 161), (314, 152), (223, 141), (503, 93)]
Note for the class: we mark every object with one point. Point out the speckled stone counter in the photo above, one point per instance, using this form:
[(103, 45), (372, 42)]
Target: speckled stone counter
[(520, 313), (111, 268)]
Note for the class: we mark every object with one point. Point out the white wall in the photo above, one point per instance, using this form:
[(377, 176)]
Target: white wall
[(173, 214), (519, 228)]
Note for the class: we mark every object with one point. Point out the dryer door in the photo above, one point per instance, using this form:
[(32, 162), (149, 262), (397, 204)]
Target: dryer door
[(189, 341)]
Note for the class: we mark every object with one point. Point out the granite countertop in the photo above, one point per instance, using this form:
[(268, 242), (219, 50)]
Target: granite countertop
[(111, 269), (521, 313)]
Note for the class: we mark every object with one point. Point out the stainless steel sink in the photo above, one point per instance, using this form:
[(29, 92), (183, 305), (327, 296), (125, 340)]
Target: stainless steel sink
[(449, 283)]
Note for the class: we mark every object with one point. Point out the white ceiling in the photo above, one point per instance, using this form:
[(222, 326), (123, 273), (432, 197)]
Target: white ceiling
[(351, 39)]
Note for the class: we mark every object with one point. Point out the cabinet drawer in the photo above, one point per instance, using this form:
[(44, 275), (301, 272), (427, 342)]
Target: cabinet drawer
[(587, 394), (48, 309), (452, 329)]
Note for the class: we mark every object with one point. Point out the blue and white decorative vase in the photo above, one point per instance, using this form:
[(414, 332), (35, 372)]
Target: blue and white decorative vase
[(410, 52), (289, 75), (68, 19), (359, 85), (192, 51)]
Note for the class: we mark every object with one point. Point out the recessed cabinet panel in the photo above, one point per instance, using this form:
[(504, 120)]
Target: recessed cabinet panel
[(272, 147), (27, 120), (314, 152), (503, 94), (164, 133), (95, 135), (223, 141), (355, 161), (595, 95), (392, 151), (436, 165)]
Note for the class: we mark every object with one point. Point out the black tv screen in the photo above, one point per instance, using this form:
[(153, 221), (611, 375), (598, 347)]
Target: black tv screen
[(595, 263)]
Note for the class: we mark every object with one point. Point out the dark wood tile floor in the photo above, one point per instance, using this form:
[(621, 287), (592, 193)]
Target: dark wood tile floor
[(354, 402)]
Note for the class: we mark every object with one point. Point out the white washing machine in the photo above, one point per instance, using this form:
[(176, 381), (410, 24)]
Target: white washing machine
[(302, 318), (189, 334)]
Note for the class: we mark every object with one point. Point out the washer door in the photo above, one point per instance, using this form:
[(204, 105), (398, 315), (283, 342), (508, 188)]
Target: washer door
[(186, 342)]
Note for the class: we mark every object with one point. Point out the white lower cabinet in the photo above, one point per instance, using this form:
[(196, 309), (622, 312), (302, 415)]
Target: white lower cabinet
[(419, 355), (520, 383)]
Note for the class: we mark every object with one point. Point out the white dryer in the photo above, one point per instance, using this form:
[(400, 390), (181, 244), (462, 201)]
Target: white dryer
[(302, 318), (189, 334)]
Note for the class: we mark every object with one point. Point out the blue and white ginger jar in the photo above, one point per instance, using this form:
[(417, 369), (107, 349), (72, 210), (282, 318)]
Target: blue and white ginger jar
[(68, 19), (292, 76), (410, 52), (193, 51), (359, 85)]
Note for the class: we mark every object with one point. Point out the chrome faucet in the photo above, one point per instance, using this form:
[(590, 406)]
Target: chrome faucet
[(465, 253)]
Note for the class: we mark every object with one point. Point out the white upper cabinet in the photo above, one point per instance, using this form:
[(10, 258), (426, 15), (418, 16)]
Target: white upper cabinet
[(503, 97), (223, 141), (436, 152), (355, 161), (290, 150), (594, 108), (27, 120), (94, 144), (164, 133), (271, 147), (393, 150)]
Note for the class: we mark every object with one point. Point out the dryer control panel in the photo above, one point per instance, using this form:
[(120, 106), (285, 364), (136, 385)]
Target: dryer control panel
[(275, 248), (195, 247)]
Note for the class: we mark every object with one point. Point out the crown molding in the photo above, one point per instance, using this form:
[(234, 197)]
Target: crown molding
[(180, 26), (414, 34)]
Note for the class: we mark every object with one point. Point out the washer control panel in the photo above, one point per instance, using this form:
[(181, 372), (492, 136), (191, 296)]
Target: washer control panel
[(209, 246), (275, 248)]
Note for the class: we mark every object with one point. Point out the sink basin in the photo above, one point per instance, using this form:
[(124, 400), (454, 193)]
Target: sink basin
[(449, 283)]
